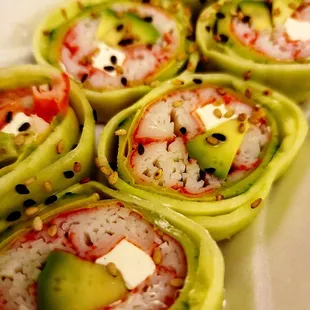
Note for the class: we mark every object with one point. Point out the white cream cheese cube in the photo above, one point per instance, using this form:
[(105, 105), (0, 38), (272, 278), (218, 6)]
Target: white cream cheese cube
[(133, 263)]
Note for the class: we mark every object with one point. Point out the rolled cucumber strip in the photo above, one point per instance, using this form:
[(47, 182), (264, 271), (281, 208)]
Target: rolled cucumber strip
[(118, 51), (46, 138), (77, 246), (266, 41), (206, 145)]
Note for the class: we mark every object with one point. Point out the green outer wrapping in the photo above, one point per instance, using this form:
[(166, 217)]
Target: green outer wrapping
[(292, 79), (225, 217), (44, 162), (203, 289), (108, 103)]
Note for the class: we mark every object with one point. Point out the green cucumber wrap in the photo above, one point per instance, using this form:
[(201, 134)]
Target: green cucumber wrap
[(53, 145), (208, 146), (118, 51), (258, 40), (201, 289)]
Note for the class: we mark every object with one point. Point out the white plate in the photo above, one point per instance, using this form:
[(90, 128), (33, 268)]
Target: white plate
[(267, 264)]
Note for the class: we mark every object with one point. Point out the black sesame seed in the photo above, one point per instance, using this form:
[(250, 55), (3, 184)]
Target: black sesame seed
[(124, 81), (219, 137), (140, 149), (183, 130), (8, 117), (24, 127), (29, 203), (220, 15), (113, 60), (22, 189), (109, 68), (210, 170), (148, 19), (246, 19), (84, 77), (14, 216), (125, 42), (120, 27), (50, 200), (95, 115), (208, 28), (68, 174), (223, 38), (197, 81), (191, 37)]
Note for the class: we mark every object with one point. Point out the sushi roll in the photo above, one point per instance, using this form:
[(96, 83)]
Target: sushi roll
[(117, 50), (267, 41), (207, 145), (46, 139), (88, 254)]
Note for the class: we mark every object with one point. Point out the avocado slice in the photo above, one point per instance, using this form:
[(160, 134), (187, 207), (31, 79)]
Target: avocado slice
[(113, 29), (108, 28), (147, 33), (283, 9), (8, 151), (217, 158), (70, 283), (259, 14)]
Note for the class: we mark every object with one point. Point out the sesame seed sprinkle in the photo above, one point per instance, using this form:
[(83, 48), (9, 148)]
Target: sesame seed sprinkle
[(37, 224), (24, 127), (68, 174), (50, 200), (140, 149), (29, 203), (256, 203), (22, 189), (14, 216)]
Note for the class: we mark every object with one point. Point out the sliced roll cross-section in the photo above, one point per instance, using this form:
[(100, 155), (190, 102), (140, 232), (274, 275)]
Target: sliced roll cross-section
[(261, 40), (118, 50), (108, 254), (46, 139), (208, 146)]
